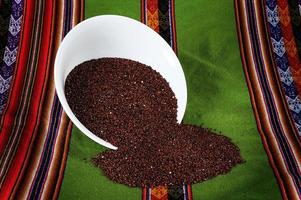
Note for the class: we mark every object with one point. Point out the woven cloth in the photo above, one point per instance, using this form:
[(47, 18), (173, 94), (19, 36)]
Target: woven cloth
[(35, 131), (242, 65), (269, 33)]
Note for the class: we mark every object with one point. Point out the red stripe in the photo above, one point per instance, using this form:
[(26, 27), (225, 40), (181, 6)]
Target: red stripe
[(252, 91), (60, 173), (189, 190), (152, 5), (8, 116), (144, 197), (152, 13), (142, 5), (152, 10), (174, 32), (34, 106)]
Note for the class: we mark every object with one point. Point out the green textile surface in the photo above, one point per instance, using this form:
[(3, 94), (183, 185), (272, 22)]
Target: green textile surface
[(217, 98)]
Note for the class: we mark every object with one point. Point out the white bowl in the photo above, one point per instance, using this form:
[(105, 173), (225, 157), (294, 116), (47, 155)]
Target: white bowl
[(117, 36)]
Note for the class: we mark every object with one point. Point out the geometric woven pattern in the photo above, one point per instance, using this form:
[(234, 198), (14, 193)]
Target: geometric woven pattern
[(10, 51), (159, 15), (272, 68), (34, 130)]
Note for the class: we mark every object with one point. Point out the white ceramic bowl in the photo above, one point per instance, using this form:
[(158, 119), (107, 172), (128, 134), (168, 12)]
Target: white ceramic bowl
[(117, 36)]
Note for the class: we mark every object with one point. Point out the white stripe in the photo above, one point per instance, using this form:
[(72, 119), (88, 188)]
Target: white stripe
[(184, 192), (149, 194)]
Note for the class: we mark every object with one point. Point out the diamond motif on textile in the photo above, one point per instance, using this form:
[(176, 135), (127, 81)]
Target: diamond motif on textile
[(159, 192), (18, 1), (2, 108), (4, 84), (12, 41), (276, 32), (282, 63), (299, 128), (273, 16), (290, 91), (278, 46), (286, 76), (164, 20), (285, 17), (176, 192), (294, 104), (271, 4), (17, 10), (296, 117), (15, 25), (9, 56), (291, 47), (153, 20)]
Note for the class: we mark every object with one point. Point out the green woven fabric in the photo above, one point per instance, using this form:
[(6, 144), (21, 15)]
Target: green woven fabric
[(217, 98)]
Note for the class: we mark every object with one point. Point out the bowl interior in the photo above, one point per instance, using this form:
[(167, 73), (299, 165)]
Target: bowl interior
[(117, 36)]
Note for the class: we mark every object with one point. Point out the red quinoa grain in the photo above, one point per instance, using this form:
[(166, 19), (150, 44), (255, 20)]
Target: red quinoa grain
[(132, 106)]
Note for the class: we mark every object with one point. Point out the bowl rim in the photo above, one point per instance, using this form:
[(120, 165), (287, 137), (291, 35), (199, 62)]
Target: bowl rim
[(61, 94)]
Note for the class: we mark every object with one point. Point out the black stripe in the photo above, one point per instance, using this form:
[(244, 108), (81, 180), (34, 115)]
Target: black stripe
[(270, 104), (250, 82), (46, 157), (296, 23), (5, 12), (175, 193), (164, 27), (147, 193)]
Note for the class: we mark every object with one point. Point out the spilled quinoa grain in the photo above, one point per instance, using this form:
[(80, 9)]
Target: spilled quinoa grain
[(132, 106)]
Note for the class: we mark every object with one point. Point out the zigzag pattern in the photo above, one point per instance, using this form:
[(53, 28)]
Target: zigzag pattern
[(9, 59), (279, 48)]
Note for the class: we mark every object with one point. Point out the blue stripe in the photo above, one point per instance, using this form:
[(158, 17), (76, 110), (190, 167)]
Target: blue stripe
[(283, 64), (148, 193), (170, 23), (185, 188), (267, 94), (52, 131), (47, 152)]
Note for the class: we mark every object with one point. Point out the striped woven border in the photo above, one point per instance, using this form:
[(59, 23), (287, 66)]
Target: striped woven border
[(268, 100), (160, 16), (167, 193), (35, 132)]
